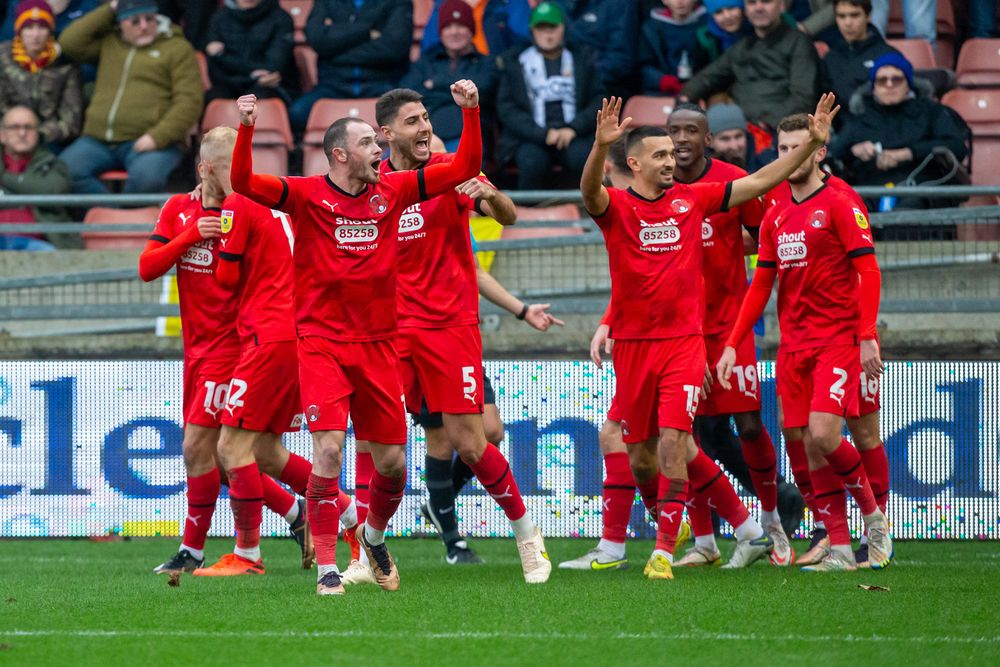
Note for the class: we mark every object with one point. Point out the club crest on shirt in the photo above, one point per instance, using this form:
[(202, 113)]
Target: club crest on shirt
[(227, 221), (680, 206), (312, 412), (860, 218), (818, 219), (378, 204)]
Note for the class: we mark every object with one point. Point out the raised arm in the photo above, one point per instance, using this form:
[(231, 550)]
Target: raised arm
[(468, 160), (766, 178), (595, 196), (267, 190)]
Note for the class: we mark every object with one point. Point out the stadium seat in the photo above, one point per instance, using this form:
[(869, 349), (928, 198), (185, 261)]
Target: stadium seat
[(981, 110), (111, 241), (206, 80), (324, 112), (648, 110), (511, 233), (560, 212), (919, 52), (305, 62), (299, 11), (272, 137), (946, 33), (979, 63)]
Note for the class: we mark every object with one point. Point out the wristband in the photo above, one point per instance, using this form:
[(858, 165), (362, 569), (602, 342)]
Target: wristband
[(524, 311)]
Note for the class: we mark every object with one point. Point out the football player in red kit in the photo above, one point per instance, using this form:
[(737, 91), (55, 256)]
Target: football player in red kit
[(819, 246), (346, 240)]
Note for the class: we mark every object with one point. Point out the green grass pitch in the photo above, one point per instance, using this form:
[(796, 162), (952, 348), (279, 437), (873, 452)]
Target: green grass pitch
[(88, 603)]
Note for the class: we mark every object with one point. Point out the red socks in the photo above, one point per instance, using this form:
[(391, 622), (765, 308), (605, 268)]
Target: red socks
[(803, 478), (276, 498), (202, 492), (876, 464), (386, 494), (246, 495), (762, 461), (846, 462), (493, 472), (296, 473), (324, 517), (650, 493), (673, 495), (710, 484), (364, 466), (831, 505), (619, 494)]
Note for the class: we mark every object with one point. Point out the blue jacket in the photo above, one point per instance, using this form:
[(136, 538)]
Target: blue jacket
[(505, 23), (610, 29)]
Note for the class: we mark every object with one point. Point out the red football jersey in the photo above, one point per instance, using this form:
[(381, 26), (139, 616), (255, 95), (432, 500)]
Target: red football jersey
[(437, 285), (811, 243), (208, 310), (722, 240), (262, 241), (346, 254), (655, 258)]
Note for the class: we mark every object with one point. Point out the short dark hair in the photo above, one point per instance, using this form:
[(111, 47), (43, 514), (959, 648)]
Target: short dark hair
[(865, 5), (687, 106), (794, 123), (336, 134), (391, 102), (637, 136), (618, 155)]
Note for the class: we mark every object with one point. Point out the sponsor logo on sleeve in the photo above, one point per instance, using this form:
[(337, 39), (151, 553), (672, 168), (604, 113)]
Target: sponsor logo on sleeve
[(227, 221), (860, 218)]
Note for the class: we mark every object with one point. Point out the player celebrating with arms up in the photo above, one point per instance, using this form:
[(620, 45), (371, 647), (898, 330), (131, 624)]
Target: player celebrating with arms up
[(653, 235), (346, 239), (817, 245)]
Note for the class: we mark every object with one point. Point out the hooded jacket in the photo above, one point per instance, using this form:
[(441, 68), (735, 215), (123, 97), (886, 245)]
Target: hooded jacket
[(54, 93), (847, 65), (257, 38), (154, 89)]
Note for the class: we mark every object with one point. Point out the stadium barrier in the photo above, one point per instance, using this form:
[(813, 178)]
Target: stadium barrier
[(92, 448)]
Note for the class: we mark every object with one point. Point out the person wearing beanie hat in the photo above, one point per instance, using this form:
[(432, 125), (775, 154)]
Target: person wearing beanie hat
[(33, 74), (894, 60), (725, 117), (64, 12), (498, 25), (725, 26), (454, 12), (730, 140), (126, 9)]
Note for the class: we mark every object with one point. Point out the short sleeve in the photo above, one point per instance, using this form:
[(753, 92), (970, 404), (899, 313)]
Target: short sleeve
[(853, 228), (751, 213), (604, 218), (766, 256), (165, 228), (713, 197)]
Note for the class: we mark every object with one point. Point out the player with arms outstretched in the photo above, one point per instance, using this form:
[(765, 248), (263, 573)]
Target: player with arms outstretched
[(346, 240), (819, 247)]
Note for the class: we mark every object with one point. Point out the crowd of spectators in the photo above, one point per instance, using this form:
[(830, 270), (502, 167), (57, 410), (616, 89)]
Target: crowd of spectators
[(116, 85)]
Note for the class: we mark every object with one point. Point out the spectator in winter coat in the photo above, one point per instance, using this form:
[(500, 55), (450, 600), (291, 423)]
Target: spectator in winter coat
[(667, 44), (454, 58), (363, 50), (771, 74), (250, 50), (147, 97), (731, 141), (64, 12), (547, 103), (33, 73), (725, 26), (610, 30), (856, 47), (27, 168), (499, 25), (892, 129)]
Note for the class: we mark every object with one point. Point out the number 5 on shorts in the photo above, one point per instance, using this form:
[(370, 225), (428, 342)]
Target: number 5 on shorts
[(469, 386)]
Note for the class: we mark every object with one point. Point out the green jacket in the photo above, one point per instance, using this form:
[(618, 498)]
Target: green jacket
[(46, 175), (155, 89), (769, 78)]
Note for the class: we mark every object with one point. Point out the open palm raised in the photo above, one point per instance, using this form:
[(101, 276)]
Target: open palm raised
[(821, 120), (609, 129)]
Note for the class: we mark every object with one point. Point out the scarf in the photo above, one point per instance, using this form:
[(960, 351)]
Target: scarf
[(543, 89), (21, 57)]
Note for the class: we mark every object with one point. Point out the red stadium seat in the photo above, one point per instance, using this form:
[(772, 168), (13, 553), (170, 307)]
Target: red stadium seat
[(305, 61), (560, 212), (299, 11), (946, 33), (919, 52), (648, 110), (206, 80), (111, 241), (979, 63), (981, 110), (272, 137), (323, 113), (510, 233)]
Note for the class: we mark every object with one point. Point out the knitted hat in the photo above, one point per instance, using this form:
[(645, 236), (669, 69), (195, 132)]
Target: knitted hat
[(723, 117), (456, 11), (712, 6), (129, 8), (29, 12), (893, 59), (547, 12)]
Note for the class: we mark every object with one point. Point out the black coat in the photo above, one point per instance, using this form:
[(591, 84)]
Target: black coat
[(610, 29), (517, 125), (847, 65), (432, 77), (351, 64), (258, 38)]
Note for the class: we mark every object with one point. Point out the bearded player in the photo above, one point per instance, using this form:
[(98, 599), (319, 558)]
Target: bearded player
[(819, 247), (653, 234), (187, 236), (346, 234)]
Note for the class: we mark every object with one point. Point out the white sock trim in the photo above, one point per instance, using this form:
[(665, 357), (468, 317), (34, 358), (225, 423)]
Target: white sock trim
[(252, 554), (372, 536), (524, 528), (293, 513), (748, 530), (197, 553), (706, 542), (614, 549)]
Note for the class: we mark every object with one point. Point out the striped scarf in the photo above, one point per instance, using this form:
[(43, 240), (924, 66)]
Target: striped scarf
[(34, 65)]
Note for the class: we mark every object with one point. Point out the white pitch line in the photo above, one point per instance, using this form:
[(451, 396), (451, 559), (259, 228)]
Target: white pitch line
[(493, 635)]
